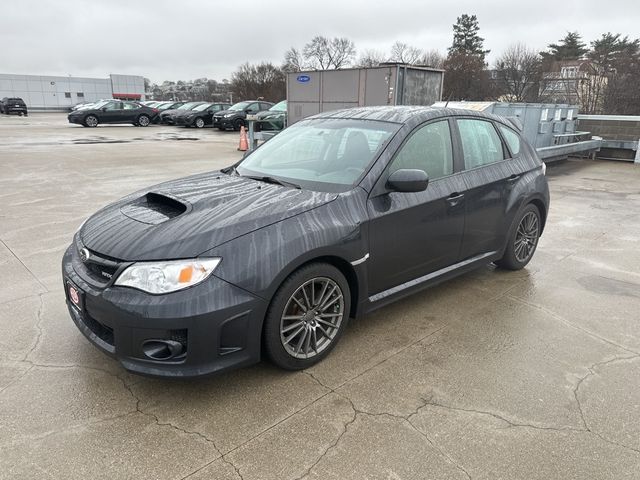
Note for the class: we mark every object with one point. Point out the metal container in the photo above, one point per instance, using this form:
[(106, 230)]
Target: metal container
[(318, 91), (543, 124)]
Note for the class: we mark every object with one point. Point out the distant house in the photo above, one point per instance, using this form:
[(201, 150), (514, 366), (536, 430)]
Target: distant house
[(574, 82)]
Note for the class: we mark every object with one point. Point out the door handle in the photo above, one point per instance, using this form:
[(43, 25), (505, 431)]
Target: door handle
[(513, 178), (455, 198)]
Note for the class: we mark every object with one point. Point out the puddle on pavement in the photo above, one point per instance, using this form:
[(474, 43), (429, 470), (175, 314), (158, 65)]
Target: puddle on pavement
[(609, 286)]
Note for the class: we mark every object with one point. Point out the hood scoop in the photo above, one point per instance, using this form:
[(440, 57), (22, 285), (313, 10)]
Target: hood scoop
[(155, 208)]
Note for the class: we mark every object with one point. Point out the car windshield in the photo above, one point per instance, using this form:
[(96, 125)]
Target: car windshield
[(320, 154), (164, 106), (100, 104), (187, 106), (240, 106), (202, 107), (279, 107)]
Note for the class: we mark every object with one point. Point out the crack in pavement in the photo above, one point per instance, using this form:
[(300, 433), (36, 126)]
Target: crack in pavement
[(591, 372), (38, 328), (571, 324), (333, 445), (46, 290), (365, 413)]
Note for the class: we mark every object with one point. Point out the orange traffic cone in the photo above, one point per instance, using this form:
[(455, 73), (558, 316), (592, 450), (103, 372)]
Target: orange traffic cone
[(244, 141)]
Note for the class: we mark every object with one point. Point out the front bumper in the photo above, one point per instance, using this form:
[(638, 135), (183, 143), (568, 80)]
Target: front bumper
[(221, 122), (218, 324)]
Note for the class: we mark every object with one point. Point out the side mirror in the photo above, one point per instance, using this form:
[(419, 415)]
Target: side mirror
[(104, 109), (209, 112), (408, 180)]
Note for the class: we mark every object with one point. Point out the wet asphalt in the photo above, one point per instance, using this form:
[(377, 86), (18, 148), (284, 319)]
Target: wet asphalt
[(495, 375)]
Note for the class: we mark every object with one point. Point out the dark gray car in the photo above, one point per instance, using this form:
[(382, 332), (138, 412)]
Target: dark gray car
[(334, 217)]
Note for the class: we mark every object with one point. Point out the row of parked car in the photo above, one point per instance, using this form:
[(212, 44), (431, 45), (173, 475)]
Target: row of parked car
[(223, 116), (9, 105)]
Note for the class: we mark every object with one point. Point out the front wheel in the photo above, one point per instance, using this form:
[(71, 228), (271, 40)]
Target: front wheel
[(307, 316), (523, 239), (238, 124), (144, 121), (91, 121), (199, 123)]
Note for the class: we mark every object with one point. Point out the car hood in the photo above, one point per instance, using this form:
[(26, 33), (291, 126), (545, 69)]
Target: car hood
[(184, 218), (270, 113), (225, 112)]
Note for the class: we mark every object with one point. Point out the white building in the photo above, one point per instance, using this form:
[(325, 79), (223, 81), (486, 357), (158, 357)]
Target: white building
[(59, 93)]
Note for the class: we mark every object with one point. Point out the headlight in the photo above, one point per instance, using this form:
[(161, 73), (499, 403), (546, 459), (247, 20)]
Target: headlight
[(229, 115), (165, 277)]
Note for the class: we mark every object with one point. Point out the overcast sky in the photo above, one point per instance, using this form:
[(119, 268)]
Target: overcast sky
[(186, 39)]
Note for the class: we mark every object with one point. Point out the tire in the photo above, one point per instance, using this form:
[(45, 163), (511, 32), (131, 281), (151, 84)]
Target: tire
[(143, 120), (90, 121), (295, 336), (238, 123), (198, 123), (523, 239)]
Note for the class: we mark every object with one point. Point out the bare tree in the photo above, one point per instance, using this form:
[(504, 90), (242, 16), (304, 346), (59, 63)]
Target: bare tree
[(432, 58), (404, 53), (517, 73), (293, 60), (260, 80), (324, 53), (371, 58)]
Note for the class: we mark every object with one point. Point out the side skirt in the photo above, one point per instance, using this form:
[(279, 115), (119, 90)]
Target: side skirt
[(405, 289)]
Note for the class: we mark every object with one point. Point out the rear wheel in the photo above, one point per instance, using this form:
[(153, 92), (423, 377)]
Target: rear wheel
[(144, 121), (307, 316), (199, 123), (523, 239), (91, 121)]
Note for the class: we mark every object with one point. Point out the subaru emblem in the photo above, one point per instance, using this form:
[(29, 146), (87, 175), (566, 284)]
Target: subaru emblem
[(84, 255)]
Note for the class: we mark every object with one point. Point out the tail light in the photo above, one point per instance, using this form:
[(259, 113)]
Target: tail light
[(155, 110)]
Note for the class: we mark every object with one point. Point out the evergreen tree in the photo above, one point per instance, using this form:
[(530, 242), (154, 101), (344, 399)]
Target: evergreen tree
[(465, 37), (571, 47)]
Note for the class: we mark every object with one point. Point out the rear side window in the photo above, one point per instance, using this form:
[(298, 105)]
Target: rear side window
[(512, 139), (428, 149), (481, 144)]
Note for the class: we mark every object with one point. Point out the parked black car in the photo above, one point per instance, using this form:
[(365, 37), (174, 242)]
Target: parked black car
[(200, 116), (114, 111), (335, 216), (235, 116), (166, 107), (168, 117), (10, 105), (273, 119)]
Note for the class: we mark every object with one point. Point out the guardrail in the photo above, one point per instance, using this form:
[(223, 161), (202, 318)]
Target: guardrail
[(559, 152)]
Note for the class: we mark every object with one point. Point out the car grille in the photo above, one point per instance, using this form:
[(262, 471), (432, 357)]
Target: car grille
[(99, 268)]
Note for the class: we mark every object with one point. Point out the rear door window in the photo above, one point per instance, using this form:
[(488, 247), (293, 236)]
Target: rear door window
[(481, 143)]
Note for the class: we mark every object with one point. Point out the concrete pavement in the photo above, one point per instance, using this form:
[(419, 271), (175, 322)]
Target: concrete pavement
[(514, 375)]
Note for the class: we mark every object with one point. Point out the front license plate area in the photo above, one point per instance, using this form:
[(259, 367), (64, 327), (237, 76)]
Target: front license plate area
[(75, 296)]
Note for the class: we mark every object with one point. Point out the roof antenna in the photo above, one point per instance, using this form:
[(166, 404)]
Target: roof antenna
[(447, 103)]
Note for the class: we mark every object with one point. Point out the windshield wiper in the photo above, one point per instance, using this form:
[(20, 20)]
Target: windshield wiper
[(230, 170), (273, 180)]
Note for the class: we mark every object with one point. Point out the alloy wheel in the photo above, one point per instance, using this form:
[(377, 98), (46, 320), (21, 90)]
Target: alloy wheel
[(91, 121), (526, 237), (143, 121), (312, 317), (199, 122)]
